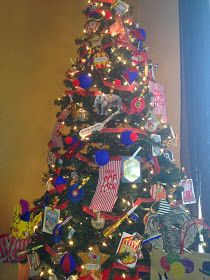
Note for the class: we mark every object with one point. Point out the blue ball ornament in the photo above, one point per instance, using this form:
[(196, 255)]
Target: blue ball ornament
[(126, 138), (67, 264), (101, 157), (85, 80)]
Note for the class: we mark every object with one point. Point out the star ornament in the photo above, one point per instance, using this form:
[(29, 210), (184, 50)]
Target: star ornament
[(92, 262)]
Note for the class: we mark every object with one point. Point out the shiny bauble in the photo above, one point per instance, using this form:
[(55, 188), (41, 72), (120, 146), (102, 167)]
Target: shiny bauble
[(82, 115), (60, 250)]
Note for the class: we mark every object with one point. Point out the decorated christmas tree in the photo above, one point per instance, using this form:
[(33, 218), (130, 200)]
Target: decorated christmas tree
[(114, 193)]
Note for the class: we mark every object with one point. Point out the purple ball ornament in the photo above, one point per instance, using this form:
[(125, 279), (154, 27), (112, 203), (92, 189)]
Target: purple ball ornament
[(67, 264), (127, 137), (101, 157), (85, 80)]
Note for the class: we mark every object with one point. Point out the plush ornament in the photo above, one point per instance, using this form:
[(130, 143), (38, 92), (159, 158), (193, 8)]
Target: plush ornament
[(23, 224), (128, 137), (85, 80), (131, 75), (117, 83), (100, 60), (76, 83), (68, 140), (101, 157), (67, 264), (134, 136), (92, 262)]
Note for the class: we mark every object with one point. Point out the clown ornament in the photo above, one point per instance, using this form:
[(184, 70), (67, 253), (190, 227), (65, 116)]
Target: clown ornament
[(23, 222)]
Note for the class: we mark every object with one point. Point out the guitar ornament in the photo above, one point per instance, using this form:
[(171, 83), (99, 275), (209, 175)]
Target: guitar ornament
[(96, 127)]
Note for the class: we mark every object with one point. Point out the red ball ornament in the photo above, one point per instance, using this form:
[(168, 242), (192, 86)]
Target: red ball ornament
[(76, 83), (134, 137), (117, 83), (68, 140), (108, 15), (57, 171)]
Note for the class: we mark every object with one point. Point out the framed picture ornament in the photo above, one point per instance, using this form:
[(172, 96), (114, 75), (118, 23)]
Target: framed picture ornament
[(51, 219)]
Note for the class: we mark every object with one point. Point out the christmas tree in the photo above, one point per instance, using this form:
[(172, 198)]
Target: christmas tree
[(113, 189)]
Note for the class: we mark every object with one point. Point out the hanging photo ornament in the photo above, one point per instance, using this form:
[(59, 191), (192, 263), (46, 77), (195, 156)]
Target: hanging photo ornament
[(130, 245), (51, 219), (158, 192), (188, 195), (121, 7), (100, 60), (92, 26), (33, 260)]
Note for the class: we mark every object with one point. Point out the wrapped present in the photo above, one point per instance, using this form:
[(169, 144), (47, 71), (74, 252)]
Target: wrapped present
[(10, 247)]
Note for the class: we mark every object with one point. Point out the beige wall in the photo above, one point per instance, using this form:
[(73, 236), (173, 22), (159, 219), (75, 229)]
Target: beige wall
[(160, 18), (37, 40)]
